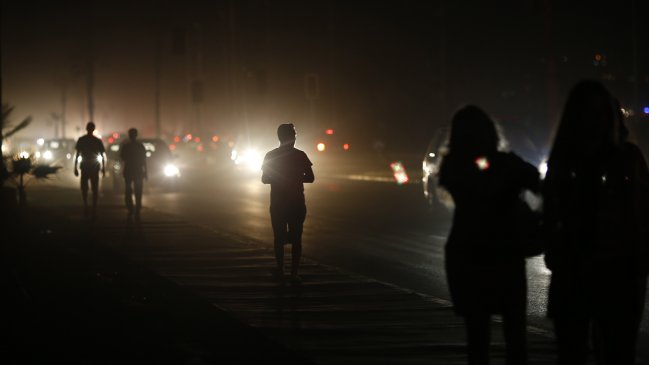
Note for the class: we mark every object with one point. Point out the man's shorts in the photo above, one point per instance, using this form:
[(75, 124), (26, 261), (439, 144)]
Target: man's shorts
[(92, 174)]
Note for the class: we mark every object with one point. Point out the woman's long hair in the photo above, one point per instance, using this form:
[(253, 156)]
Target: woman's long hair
[(589, 126), (473, 134)]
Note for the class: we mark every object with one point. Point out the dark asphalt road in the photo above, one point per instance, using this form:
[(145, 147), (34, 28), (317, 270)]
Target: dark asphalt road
[(358, 222)]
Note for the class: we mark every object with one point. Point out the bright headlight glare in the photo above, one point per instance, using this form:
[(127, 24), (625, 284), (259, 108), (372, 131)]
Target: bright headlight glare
[(543, 168), (252, 160), (171, 170), (48, 155)]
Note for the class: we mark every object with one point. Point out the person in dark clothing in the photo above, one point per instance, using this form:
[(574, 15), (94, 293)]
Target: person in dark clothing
[(485, 266), (90, 157), (133, 156), (286, 169), (596, 208)]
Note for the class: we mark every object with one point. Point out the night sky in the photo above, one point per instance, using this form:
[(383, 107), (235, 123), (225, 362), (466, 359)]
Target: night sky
[(386, 70)]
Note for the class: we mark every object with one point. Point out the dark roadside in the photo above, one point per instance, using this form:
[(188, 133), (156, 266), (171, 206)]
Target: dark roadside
[(74, 301)]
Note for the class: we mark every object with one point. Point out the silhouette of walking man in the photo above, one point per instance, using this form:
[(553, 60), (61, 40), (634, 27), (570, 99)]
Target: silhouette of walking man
[(91, 157), (133, 156), (286, 169), (596, 208)]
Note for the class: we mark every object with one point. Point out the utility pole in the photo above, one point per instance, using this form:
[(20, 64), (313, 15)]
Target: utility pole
[(552, 84), (64, 102), (636, 71), (90, 84), (157, 67), (442, 59)]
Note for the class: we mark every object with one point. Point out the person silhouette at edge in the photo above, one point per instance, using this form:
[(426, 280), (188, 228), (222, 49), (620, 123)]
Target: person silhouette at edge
[(484, 257), (286, 169), (133, 156), (91, 157), (596, 208)]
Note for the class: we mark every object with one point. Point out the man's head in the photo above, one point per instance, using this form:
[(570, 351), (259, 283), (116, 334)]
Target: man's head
[(286, 133), (90, 127), (132, 134)]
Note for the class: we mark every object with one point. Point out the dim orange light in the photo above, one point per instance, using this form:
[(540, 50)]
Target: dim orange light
[(329, 131), (197, 139), (346, 146), (115, 136), (215, 138), (172, 147), (200, 148), (177, 139)]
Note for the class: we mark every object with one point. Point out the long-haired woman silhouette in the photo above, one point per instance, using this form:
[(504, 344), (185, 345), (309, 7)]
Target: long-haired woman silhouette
[(485, 266), (596, 200)]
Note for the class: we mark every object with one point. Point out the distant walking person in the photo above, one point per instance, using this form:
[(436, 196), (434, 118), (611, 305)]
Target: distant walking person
[(286, 169), (485, 263), (596, 205), (133, 156), (90, 157)]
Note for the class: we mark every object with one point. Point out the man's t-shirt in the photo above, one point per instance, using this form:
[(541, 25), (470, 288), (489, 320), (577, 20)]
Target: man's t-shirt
[(133, 155), (89, 147), (286, 166)]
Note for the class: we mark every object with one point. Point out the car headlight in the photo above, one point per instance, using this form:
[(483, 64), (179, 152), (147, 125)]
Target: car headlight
[(48, 155), (171, 170), (250, 159), (543, 168)]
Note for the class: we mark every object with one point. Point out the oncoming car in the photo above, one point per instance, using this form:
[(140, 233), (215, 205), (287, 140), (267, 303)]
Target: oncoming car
[(430, 166), (161, 167)]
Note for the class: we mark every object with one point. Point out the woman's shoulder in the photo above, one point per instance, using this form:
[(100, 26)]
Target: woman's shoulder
[(511, 159)]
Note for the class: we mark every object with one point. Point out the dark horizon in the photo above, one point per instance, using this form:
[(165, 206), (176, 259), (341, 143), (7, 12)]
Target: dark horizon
[(387, 70)]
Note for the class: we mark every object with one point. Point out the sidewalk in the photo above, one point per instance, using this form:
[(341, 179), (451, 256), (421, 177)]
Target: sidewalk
[(168, 291)]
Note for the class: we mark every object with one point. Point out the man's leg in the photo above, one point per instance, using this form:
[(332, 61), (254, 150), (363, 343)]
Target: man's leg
[(295, 228), (278, 221), (137, 185), (94, 185), (128, 195), (84, 191)]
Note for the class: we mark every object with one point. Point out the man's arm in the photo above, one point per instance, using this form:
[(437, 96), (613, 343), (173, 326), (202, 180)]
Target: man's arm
[(144, 168), (308, 175), (308, 171), (103, 164), (76, 162), (103, 158), (266, 176)]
